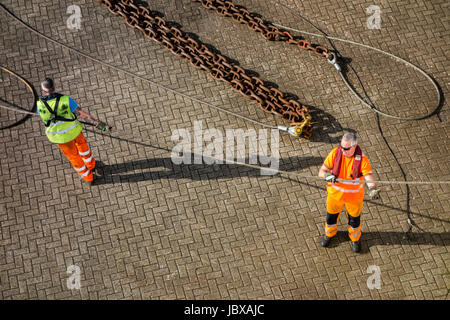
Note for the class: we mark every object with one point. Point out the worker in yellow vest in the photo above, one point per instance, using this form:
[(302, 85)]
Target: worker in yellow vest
[(60, 115), (346, 162)]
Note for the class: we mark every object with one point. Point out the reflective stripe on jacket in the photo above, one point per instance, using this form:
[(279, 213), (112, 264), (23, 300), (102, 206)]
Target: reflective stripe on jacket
[(353, 191)]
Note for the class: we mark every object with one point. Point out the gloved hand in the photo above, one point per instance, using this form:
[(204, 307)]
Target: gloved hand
[(330, 178), (103, 126), (373, 194)]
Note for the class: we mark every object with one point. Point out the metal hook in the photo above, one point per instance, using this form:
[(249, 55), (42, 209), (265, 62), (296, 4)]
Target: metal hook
[(333, 61), (295, 131)]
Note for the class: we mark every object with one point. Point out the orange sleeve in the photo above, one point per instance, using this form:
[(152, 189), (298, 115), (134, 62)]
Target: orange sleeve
[(365, 166), (329, 161)]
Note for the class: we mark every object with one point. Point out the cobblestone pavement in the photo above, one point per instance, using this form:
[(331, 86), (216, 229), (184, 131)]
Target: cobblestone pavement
[(155, 230)]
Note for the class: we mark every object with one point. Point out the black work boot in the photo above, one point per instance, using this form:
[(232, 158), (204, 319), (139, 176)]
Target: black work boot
[(325, 241), (356, 246)]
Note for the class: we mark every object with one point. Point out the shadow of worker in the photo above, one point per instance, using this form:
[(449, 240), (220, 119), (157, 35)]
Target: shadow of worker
[(165, 168), (389, 238)]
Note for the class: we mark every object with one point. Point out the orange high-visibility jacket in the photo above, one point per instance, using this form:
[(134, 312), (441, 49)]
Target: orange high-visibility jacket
[(351, 191)]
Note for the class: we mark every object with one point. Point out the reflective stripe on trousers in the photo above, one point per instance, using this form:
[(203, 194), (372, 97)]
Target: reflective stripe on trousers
[(87, 156), (331, 225), (331, 230), (83, 168), (84, 153), (354, 233), (88, 160)]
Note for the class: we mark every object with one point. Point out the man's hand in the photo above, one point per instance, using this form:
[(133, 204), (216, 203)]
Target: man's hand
[(103, 126), (373, 194), (330, 178)]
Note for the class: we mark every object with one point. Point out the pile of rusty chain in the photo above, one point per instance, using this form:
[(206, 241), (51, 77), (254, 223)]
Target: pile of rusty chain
[(239, 14), (271, 100)]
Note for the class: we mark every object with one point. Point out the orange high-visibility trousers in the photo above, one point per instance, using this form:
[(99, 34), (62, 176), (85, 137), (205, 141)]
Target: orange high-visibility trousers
[(334, 208), (79, 154)]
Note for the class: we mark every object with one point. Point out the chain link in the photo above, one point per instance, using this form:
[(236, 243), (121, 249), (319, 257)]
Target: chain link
[(269, 99)]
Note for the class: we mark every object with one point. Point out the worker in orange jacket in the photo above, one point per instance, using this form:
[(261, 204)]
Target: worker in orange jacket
[(346, 162), (61, 115)]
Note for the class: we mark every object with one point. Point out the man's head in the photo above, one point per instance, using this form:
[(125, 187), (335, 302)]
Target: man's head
[(48, 85), (348, 144)]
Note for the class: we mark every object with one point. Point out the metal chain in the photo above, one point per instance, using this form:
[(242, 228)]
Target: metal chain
[(268, 30), (269, 99)]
